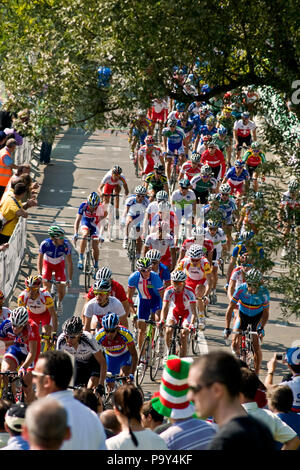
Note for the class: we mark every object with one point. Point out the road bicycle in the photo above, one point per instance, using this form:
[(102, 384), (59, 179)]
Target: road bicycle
[(117, 380), (131, 247), (48, 342), (246, 351), (151, 354), (174, 172), (196, 338), (112, 216), (12, 388), (176, 343)]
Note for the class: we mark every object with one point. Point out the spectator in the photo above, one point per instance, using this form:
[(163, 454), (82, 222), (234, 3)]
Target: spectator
[(280, 401), (186, 431), (51, 376), (4, 435), (5, 119), (11, 209), (128, 404), (110, 422), (260, 397), (45, 426), (89, 398), (14, 420), (215, 381), (10, 191), (292, 359), (7, 164), (47, 135), (3, 138), (150, 417), (280, 431)]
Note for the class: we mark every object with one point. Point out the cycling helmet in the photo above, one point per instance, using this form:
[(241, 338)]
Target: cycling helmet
[(206, 170), (159, 168), (195, 157), (162, 196), (225, 188), (143, 263), (140, 190), (72, 326), (19, 316), (1, 295), (117, 170), (222, 130), (141, 113), (210, 121), (245, 236), (33, 281), (104, 273), (164, 206), (149, 140), (207, 138), (198, 232), (180, 107), (184, 183), (55, 231), (195, 251), (153, 255), (293, 186), (205, 88), (245, 115), (101, 286), (172, 122), (253, 276), (213, 198), (93, 200), (255, 145), (211, 223), (110, 321), (239, 163), (178, 276)]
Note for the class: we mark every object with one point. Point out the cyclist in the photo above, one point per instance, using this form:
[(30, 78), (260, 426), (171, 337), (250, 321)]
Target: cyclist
[(148, 156), (253, 214), (111, 186), (183, 201), (156, 181), (227, 120), (216, 235), (25, 350), (4, 311), (161, 240), (173, 142), (254, 158), (212, 210), (179, 301), (215, 159), (163, 271), (208, 128), (237, 277), (190, 168), (198, 271), (150, 290), (187, 125), (197, 237), (135, 208), (152, 209), (228, 204), (39, 304), (89, 216), (158, 113), (253, 303), (166, 215), (54, 255), (119, 348), (89, 361), (203, 184), (244, 132), (223, 141), (102, 304), (203, 144), (236, 177), (139, 127), (289, 212)]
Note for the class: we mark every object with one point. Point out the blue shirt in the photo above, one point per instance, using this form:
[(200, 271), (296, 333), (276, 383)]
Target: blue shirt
[(232, 176), (291, 419), (147, 289), (240, 249), (250, 304), (164, 272), (50, 250), (16, 443)]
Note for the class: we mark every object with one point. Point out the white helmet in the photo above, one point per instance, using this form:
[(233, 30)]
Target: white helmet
[(104, 273), (178, 276), (153, 255), (164, 206), (19, 316), (195, 251)]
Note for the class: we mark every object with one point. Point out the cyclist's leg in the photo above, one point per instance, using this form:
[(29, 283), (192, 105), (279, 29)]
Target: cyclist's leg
[(236, 333), (257, 352), (185, 335), (47, 270), (95, 247), (169, 161), (60, 277), (117, 189), (143, 314), (125, 363)]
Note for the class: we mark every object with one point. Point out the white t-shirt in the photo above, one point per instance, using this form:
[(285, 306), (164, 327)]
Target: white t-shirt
[(93, 308), (147, 440)]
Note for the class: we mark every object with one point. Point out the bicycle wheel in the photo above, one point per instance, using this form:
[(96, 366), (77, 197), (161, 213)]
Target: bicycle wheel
[(196, 340), (157, 356), (131, 250), (143, 361), (107, 400), (175, 346), (88, 271), (173, 179)]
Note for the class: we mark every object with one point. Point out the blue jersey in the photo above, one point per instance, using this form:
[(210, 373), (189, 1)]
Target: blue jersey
[(197, 122), (251, 304), (234, 178), (164, 272), (174, 137), (6, 331), (241, 249), (205, 131), (51, 251), (147, 288), (229, 207)]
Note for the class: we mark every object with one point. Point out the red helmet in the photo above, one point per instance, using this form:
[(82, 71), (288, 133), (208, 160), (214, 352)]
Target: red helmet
[(33, 281)]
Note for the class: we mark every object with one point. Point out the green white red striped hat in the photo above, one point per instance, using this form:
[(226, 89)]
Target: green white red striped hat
[(171, 400)]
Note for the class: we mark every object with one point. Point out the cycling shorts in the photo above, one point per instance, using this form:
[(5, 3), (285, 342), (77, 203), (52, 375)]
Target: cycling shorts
[(243, 140), (85, 370), (148, 307), (114, 364), (162, 116), (193, 283), (217, 170), (93, 230), (108, 188), (140, 134), (58, 270), (174, 314), (14, 352), (238, 188), (175, 146), (242, 321), (201, 197), (43, 318)]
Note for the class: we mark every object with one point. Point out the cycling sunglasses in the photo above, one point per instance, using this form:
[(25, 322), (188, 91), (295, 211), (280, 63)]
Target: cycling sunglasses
[(110, 331), (145, 270), (96, 292)]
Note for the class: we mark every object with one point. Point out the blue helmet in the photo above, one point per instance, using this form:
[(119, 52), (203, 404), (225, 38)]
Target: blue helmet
[(110, 321), (222, 130), (184, 183), (93, 200), (180, 107)]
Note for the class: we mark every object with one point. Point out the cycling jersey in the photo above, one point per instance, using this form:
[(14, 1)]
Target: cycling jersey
[(221, 143), (291, 206), (86, 348), (218, 240), (195, 271), (159, 111), (227, 122), (207, 245), (117, 290), (253, 159), (244, 130), (164, 272), (216, 214), (197, 123), (38, 309), (107, 180), (250, 304), (214, 160), (54, 254), (190, 171), (158, 183), (163, 245), (117, 346), (233, 179), (150, 158), (183, 203), (241, 249), (179, 303), (237, 275), (229, 206), (174, 137), (203, 186), (93, 308), (147, 288), (136, 210), (169, 224), (91, 218), (294, 385), (205, 131)]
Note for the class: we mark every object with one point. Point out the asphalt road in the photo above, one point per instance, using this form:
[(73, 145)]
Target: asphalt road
[(79, 163)]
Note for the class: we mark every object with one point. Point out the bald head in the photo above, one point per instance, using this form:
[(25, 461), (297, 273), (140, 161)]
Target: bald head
[(109, 420)]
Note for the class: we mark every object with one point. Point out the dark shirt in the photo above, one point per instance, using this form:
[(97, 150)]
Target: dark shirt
[(293, 420), (243, 434)]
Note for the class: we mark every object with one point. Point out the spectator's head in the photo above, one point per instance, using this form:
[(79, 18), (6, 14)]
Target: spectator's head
[(88, 398), (293, 359), (128, 402), (280, 398), (249, 386), (46, 425), (215, 382), (150, 418), (3, 138), (15, 180), (11, 144), (53, 371), (20, 190), (4, 407), (110, 421), (15, 418), (23, 169)]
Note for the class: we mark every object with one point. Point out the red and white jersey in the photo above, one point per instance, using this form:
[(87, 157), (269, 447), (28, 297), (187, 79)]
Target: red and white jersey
[(180, 301), (196, 271), (150, 158), (29, 333), (36, 306), (207, 244), (153, 242), (238, 276), (107, 179), (243, 130), (189, 171), (159, 106)]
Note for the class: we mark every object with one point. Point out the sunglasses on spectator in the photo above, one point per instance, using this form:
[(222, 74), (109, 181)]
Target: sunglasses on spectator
[(198, 388)]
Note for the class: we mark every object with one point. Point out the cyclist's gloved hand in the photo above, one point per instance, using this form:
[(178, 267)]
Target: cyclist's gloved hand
[(21, 372), (69, 282), (100, 390), (226, 332), (261, 331), (75, 237), (226, 286)]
